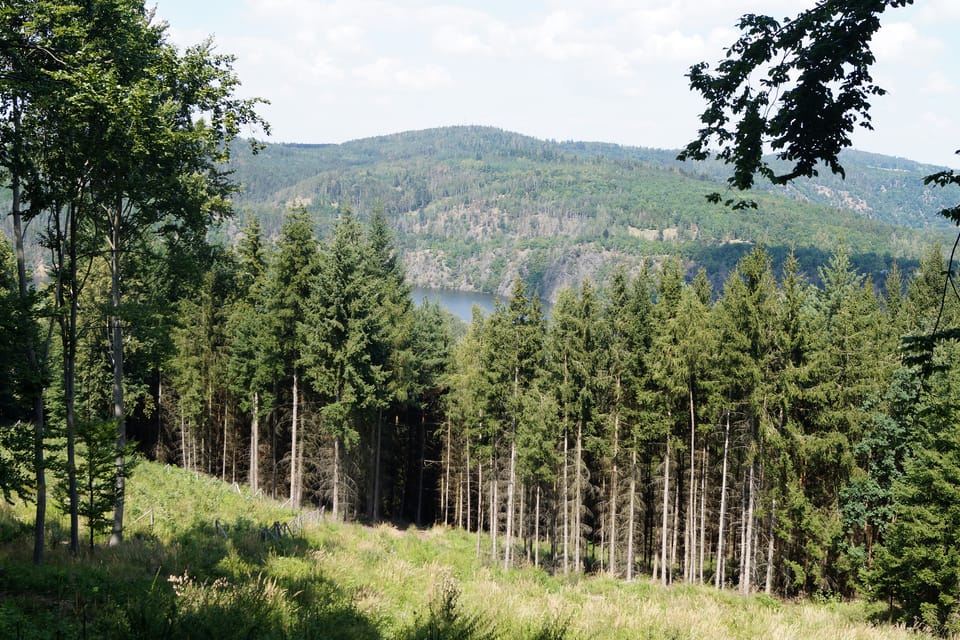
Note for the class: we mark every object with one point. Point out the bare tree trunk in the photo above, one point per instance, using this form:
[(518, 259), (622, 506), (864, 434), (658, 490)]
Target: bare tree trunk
[(336, 478), (446, 486), (578, 501), (676, 527), (536, 531), (294, 497), (33, 359), (255, 444), (510, 490), (116, 350), (184, 451), (703, 514), (521, 532), (566, 506), (494, 508), (479, 505), (64, 255), (746, 578), (666, 514), (768, 583), (226, 426), (690, 547), (631, 518), (719, 577), (614, 488), (468, 488)]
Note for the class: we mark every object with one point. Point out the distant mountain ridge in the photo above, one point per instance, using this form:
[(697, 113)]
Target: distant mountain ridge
[(475, 207)]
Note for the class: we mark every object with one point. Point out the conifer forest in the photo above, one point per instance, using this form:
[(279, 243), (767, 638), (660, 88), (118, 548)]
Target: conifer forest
[(791, 431)]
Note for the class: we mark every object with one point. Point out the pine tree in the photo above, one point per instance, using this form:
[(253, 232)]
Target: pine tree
[(343, 355), (290, 282)]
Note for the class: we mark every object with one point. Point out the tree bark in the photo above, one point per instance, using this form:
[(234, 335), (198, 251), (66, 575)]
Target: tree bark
[(703, 514), (664, 529), (33, 360), (536, 531), (494, 524), (746, 578), (116, 350), (578, 501), (508, 538), (294, 493), (336, 477), (631, 517), (614, 488), (479, 505), (468, 488), (446, 485), (255, 444), (768, 583), (719, 577), (690, 529), (566, 506)]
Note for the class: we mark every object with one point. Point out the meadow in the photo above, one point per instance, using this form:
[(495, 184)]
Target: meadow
[(205, 559)]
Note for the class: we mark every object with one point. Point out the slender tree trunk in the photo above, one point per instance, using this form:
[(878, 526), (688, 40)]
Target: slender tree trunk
[(536, 531), (226, 438), (507, 552), (255, 444), (33, 358), (614, 488), (566, 506), (703, 514), (65, 262), (494, 508), (294, 497), (468, 489), (184, 453), (768, 583), (676, 526), (336, 478), (116, 350), (722, 518), (690, 549), (631, 514), (521, 533), (665, 528), (578, 501), (459, 505), (446, 487), (479, 505), (746, 578)]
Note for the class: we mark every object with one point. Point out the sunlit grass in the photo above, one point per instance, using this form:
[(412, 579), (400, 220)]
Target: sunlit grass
[(180, 574)]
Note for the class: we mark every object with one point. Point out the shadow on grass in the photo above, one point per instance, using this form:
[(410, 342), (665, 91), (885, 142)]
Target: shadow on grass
[(208, 582)]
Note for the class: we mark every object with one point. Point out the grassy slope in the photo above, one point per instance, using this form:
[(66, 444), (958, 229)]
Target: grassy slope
[(179, 578)]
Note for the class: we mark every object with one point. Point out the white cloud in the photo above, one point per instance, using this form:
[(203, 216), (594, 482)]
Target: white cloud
[(902, 43), (938, 83), (394, 73)]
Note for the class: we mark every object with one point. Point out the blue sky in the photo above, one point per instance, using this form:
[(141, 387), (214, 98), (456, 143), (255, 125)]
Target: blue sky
[(608, 70)]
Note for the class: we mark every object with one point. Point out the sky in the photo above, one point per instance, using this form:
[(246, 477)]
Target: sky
[(590, 70)]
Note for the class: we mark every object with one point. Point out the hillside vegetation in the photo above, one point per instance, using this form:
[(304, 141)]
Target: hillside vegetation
[(474, 207), (203, 561)]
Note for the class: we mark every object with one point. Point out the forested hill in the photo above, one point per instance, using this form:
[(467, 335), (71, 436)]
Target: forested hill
[(473, 207)]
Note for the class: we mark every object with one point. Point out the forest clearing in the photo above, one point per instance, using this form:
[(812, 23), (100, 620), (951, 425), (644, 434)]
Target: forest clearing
[(179, 575)]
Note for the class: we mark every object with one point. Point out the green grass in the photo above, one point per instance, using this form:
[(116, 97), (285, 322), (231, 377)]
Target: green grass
[(179, 576)]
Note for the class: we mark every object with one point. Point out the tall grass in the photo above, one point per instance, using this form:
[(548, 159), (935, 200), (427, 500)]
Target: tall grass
[(203, 560)]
